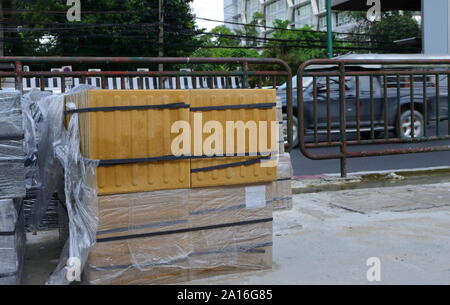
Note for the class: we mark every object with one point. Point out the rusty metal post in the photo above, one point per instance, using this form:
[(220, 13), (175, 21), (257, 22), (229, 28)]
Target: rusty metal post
[(245, 76), (343, 120), (290, 112), (18, 78)]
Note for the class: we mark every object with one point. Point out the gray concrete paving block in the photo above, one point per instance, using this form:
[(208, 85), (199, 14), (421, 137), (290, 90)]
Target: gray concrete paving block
[(320, 243), (394, 199)]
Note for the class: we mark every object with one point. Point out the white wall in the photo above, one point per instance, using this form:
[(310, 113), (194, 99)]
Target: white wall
[(436, 26)]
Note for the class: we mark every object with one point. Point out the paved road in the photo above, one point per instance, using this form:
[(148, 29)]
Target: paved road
[(306, 167)]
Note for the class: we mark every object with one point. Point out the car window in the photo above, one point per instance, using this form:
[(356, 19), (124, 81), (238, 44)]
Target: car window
[(334, 84), (405, 81), (364, 84), (306, 82)]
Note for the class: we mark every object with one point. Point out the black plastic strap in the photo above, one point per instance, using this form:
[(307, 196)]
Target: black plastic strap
[(104, 163), (236, 164), (129, 108), (113, 162), (235, 107), (153, 234), (12, 138), (13, 161), (285, 179), (9, 274), (242, 155), (8, 233)]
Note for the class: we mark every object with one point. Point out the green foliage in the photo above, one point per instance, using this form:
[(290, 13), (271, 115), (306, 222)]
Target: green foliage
[(221, 46), (251, 31), (130, 30), (393, 26), (302, 45)]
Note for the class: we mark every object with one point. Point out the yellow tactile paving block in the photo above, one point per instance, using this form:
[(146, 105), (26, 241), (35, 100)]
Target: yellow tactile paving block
[(108, 135), (241, 174), (146, 133)]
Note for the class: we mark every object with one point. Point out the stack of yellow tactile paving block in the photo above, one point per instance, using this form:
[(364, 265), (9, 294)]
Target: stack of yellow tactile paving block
[(281, 125), (179, 235), (165, 219), (120, 127), (122, 133), (282, 187)]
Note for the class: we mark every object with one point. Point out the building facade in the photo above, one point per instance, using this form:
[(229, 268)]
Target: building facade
[(299, 12)]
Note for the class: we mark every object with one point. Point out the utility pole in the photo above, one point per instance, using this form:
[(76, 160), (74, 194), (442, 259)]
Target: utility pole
[(161, 32), (2, 34), (329, 30)]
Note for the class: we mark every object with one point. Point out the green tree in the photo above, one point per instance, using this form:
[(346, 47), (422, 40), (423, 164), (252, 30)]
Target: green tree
[(250, 30), (107, 28), (222, 44), (394, 25), (295, 46)]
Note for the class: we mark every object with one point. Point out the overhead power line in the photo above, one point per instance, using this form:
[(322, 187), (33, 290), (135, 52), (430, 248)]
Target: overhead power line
[(148, 27), (147, 11), (278, 28)]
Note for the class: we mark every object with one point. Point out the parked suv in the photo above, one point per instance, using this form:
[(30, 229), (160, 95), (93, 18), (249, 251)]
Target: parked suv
[(402, 129)]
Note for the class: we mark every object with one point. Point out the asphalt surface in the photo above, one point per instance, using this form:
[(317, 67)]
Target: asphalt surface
[(306, 167)]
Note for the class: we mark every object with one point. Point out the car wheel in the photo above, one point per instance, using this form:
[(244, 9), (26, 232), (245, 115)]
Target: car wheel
[(294, 130), (405, 130)]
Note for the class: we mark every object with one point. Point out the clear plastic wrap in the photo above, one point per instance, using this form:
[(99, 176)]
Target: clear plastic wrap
[(44, 174), (62, 170), (12, 169), (282, 125), (50, 220), (50, 132), (32, 121), (11, 122), (237, 234), (12, 157), (282, 187), (120, 257), (79, 188), (12, 242), (174, 236)]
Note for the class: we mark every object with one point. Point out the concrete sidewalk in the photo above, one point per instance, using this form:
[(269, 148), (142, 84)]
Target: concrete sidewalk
[(328, 237)]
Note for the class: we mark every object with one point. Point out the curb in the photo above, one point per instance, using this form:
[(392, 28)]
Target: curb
[(364, 180)]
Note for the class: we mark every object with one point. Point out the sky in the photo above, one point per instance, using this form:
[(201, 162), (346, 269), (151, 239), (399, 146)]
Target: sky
[(212, 9)]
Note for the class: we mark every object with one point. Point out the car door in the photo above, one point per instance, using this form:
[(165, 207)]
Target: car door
[(370, 110), (334, 106)]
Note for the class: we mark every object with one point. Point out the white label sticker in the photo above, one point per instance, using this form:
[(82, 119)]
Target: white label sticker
[(255, 197)]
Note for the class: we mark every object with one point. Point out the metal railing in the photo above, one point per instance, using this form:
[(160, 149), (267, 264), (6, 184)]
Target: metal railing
[(354, 104), (199, 78)]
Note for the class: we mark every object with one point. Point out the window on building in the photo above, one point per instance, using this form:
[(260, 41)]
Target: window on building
[(276, 10), (342, 18), (303, 15), (322, 22), (322, 4), (304, 11), (252, 6)]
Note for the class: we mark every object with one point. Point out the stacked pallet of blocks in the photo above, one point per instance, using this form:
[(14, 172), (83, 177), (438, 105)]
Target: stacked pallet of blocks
[(12, 241), (12, 188), (167, 219), (282, 187)]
